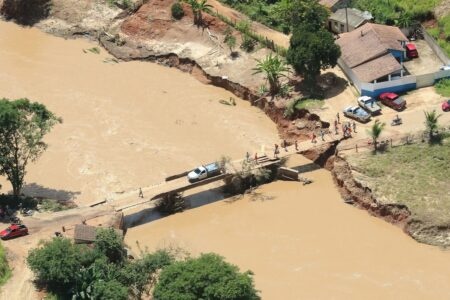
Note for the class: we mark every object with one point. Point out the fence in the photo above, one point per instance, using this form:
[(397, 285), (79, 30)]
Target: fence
[(435, 47), (390, 142), (270, 44)]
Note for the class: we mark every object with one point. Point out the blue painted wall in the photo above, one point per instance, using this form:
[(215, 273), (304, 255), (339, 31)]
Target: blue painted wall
[(397, 54), (395, 89)]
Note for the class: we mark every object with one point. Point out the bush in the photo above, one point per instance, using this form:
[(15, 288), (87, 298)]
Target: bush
[(5, 271), (56, 262), (111, 290), (206, 277), (443, 87), (109, 243), (248, 44), (177, 11)]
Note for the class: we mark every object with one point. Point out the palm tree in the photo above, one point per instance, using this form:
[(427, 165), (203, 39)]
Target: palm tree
[(431, 122), (199, 7), (274, 68), (375, 132)]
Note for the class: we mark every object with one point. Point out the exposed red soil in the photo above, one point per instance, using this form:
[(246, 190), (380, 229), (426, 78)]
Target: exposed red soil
[(153, 20)]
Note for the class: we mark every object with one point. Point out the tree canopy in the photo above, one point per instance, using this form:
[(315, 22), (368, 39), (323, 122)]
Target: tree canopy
[(100, 272), (312, 50), (206, 277), (23, 125)]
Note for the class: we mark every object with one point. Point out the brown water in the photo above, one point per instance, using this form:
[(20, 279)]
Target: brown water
[(303, 242), (128, 125)]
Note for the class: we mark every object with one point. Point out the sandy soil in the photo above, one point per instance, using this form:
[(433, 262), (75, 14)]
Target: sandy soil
[(126, 125), (302, 242)]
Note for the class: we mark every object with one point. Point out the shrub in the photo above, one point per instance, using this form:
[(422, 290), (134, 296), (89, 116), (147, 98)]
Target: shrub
[(109, 243), (248, 44), (206, 277), (5, 271), (56, 262), (177, 11), (443, 87)]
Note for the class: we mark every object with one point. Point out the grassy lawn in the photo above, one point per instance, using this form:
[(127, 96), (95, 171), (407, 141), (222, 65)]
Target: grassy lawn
[(414, 175), (5, 271), (309, 104), (443, 87)]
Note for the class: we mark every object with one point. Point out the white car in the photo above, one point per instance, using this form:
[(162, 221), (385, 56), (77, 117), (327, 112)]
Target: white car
[(444, 68), (369, 104)]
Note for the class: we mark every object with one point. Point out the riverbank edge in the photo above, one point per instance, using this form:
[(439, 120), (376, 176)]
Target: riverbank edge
[(348, 186)]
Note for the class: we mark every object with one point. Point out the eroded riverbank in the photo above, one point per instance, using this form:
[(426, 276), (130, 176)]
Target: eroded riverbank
[(302, 242)]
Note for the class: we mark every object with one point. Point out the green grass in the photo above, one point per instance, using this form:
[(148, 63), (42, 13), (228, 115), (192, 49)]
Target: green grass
[(5, 271), (53, 205), (309, 104), (443, 87), (414, 175)]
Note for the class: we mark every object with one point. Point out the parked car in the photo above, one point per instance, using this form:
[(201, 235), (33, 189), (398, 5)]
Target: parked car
[(444, 68), (204, 172), (393, 101), (357, 113), (411, 51), (446, 105), (13, 231), (369, 104)]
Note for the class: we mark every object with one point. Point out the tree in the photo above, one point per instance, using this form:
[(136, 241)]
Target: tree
[(273, 68), (110, 244), (299, 12), (311, 50), (375, 132), (23, 125), (198, 8), (56, 262), (206, 277), (431, 123)]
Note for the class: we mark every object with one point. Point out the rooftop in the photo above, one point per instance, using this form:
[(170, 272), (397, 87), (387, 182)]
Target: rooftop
[(367, 50), (85, 233), (355, 16)]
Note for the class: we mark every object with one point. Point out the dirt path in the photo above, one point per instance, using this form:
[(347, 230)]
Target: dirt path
[(278, 37)]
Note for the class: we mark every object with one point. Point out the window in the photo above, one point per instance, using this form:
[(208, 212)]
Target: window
[(342, 28)]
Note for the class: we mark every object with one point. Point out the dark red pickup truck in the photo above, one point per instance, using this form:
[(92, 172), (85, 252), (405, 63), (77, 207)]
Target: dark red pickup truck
[(393, 101)]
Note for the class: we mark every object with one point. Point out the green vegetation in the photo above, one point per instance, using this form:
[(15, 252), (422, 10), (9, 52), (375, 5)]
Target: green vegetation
[(431, 125), (198, 8), (5, 271), (53, 205), (390, 11), (177, 11), (102, 272), (23, 125), (73, 271), (230, 40), (443, 87), (273, 68), (124, 4), (375, 132), (312, 50), (406, 13), (414, 175), (206, 277), (312, 47)]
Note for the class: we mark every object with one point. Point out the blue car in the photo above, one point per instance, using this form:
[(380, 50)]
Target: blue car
[(357, 113)]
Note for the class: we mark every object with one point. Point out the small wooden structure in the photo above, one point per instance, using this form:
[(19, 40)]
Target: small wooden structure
[(84, 234)]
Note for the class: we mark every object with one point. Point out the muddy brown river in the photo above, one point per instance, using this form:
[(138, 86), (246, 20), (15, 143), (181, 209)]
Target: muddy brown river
[(129, 125)]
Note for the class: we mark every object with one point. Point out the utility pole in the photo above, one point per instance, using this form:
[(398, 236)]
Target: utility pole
[(346, 15)]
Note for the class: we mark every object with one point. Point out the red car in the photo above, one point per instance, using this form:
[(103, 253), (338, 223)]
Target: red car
[(446, 105), (411, 51), (13, 231), (393, 101)]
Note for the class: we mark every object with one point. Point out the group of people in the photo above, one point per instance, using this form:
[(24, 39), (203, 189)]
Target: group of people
[(347, 127)]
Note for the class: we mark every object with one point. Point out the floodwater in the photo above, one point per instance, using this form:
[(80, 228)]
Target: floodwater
[(129, 125), (126, 125), (303, 242)]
